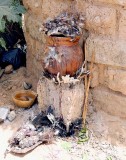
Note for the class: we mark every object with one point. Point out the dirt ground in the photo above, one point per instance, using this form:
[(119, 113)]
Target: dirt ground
[(10, 83), (107, 133)]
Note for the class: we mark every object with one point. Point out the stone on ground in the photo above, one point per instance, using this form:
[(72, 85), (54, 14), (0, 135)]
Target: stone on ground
[(8, 69), (11, 116), (3, 113)]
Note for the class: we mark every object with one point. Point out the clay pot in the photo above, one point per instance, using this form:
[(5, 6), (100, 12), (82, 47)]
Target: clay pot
[(63, 55)]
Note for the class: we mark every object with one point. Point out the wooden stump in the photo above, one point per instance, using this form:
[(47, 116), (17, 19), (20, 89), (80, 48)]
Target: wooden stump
[(66, 99)]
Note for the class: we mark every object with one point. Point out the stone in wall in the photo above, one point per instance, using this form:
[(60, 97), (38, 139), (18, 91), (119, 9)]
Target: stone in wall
[(109, 101), (107, 51), (95, 76), (116, 79), (101, 20), (122, 3), (109, 76)]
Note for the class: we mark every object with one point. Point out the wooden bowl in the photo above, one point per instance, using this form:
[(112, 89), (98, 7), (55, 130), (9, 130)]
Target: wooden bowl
[(24, 98)]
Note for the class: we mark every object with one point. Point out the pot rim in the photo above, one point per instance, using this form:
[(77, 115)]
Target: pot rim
[(67, 41)]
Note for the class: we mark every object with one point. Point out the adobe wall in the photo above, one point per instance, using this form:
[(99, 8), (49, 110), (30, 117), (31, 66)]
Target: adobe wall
[(106, 23)]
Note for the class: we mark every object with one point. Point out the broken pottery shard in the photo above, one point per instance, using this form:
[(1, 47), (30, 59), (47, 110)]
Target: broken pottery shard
[(3, 113)]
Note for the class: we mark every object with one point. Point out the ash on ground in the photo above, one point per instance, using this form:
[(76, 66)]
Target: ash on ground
[(40, 129), (96, 148)]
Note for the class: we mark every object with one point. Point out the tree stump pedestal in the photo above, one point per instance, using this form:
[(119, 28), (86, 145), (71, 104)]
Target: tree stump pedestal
[(67, 99)]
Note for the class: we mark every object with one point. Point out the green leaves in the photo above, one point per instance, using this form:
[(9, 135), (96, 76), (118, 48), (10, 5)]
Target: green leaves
[(12, 10), (18, 8), (2, 43), (5, 2), (2, 25), (83, 135)]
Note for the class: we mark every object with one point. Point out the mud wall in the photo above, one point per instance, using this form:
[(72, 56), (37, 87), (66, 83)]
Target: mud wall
[(106, 22)]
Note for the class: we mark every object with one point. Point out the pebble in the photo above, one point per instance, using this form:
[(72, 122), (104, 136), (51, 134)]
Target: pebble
[(11, 116), (8, 69), (27, 85), (104, 145), (14, 72), (9, 88), (3, 113)]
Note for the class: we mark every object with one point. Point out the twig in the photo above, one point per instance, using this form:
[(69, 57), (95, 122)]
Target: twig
[(87, 91), (84, 75), (81, 71), (85, 79)]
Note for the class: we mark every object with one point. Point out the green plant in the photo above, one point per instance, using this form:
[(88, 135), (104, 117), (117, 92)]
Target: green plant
[(2, 43), (109, 158), (83, 135), (10, 11)]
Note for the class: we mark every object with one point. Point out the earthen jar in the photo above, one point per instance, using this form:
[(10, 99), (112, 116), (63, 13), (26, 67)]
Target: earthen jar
[(63, 55)]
